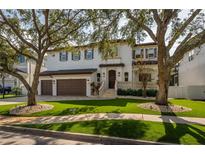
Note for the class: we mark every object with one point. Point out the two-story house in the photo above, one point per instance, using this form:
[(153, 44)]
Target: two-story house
[(71, 73)]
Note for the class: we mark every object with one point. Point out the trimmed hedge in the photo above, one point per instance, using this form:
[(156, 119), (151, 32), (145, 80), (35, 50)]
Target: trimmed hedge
[(134, 92)]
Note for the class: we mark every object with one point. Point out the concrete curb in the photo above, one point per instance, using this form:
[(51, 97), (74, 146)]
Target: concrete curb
[(97, 139)]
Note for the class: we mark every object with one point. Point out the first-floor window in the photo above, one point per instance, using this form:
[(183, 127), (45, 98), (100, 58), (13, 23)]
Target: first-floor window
[(98, 77), (144, 77), (126, 76)]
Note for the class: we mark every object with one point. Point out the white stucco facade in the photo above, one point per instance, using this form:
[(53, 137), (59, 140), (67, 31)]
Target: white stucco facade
[(122, 63), (192, 68)]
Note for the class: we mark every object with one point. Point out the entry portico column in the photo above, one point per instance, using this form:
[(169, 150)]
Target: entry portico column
[(54, 87)]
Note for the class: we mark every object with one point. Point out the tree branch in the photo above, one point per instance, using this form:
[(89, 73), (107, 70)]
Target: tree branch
[(21, 52), (156, 17), (34, 21), (182, 28), (17, 33), (17, 75), (187, 45), (146, 28)]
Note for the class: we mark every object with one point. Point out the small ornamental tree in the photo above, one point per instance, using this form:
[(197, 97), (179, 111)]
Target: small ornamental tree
[(33, 33), (144, 74)]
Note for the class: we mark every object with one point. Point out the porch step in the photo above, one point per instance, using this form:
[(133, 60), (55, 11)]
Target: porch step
[(109, 93)]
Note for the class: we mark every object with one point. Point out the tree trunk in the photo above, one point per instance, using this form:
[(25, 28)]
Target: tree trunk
[(144, 93), (31, 99), (162, 96), (3, 87), (34, 88)]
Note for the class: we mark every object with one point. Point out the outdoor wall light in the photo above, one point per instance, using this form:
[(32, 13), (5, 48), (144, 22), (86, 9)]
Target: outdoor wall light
[(54, 81), (118, 74)]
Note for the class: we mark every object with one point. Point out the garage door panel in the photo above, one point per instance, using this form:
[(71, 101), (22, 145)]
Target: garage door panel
[(71, 87), (46, 87)]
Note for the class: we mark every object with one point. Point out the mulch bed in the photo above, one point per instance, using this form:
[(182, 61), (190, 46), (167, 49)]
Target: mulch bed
[(23, 110), (164, 108)]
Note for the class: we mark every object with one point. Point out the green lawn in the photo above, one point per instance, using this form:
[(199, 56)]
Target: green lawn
[(7, 96), (151, 131), (114, 106)]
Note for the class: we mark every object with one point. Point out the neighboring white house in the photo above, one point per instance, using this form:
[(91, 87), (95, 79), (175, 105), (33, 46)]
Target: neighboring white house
[(72, 73), (191, 75), (26, 68)]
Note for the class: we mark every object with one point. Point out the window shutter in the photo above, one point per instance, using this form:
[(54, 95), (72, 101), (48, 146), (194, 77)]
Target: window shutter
[(142, 53), (92, 53), (155, 52), (79, 54), (66, 56), (146, 53), (72, 55), (60, 54), (85, 53)]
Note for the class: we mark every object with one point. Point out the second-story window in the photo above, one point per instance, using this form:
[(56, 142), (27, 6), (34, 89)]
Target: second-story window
[(150, 53), (21, 59), (76, 56), (89, 54), (63, 56), (126, 75)]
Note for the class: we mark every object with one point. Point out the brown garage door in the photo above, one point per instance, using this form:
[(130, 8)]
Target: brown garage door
[(46, 87), (71, 87)]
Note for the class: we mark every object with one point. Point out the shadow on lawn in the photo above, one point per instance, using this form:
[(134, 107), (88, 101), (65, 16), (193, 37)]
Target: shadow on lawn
[(112, 102), (73, 111), (174, 132), (126, 129)]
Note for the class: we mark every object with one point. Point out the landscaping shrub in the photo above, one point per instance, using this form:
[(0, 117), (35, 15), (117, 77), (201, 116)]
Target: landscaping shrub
[(151, 92), (17, 91), (134, 92)]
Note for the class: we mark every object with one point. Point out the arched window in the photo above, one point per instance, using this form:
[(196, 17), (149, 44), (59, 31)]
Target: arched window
[(126, 75)]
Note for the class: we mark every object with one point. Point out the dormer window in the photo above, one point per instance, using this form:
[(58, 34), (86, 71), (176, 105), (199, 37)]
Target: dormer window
[(63, 56), (89, 54), (76, 56)]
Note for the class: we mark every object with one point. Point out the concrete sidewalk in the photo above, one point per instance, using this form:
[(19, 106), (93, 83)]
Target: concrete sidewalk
[(100, 116)]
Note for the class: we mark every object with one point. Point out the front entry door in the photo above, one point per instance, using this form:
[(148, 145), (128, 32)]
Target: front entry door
[(112, 78)]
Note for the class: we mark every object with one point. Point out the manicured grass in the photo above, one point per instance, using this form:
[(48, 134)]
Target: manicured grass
[(7, 96), (144, 130), (115, 106)]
